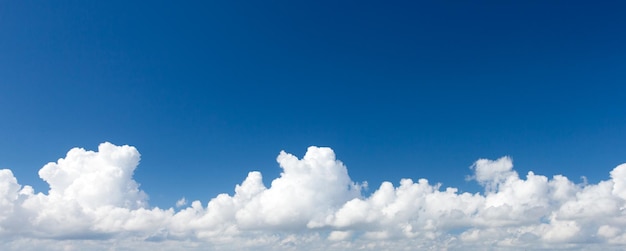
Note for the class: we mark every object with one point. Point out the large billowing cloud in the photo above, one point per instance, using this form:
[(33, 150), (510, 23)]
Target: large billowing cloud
[(94, 204)]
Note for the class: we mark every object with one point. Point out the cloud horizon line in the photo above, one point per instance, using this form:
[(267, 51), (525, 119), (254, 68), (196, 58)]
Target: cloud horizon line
[(93, 201)]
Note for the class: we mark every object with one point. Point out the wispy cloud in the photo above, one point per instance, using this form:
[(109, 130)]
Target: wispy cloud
[(94, 203), (181, 202)]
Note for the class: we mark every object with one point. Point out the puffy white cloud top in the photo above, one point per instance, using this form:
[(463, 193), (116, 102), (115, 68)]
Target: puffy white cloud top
[(94, 204)]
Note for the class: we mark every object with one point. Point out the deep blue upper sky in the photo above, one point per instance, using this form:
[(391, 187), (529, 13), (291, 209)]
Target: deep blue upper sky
[(210, 90)]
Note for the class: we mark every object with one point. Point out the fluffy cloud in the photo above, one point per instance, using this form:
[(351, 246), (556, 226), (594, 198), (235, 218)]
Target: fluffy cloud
[(94, 203)]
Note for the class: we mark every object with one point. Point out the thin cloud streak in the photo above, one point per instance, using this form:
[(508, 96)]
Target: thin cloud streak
[(94, 203)]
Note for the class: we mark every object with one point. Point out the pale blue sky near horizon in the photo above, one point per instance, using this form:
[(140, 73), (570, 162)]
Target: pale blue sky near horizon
[(210, 90)]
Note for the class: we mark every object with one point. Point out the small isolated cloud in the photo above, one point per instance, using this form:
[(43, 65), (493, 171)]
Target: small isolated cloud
[(181, 202), (95, 204)]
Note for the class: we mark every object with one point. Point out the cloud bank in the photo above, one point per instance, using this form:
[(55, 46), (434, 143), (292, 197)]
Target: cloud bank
[(95, 204)]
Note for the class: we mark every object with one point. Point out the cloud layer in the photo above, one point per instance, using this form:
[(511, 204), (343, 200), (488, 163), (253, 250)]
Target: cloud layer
[(94, 203)]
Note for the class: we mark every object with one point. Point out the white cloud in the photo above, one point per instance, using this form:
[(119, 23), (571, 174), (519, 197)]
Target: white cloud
[(181, 202), (94, 203)]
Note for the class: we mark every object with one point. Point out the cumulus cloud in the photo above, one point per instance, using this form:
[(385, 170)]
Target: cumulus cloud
[(94, 203)]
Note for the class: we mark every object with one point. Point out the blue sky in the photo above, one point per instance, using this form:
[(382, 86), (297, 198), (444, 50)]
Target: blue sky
[(210, 90)]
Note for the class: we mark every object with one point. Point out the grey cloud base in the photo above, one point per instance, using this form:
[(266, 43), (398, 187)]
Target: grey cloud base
[(94, 204)]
